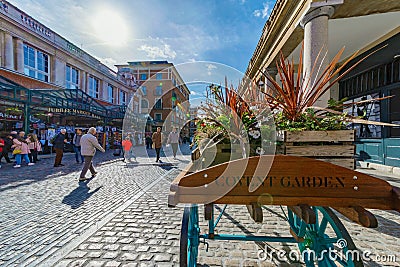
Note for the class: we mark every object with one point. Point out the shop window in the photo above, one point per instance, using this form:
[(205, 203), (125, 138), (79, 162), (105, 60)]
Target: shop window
[(36, 63), (381, 76), (71, 77), (93, 87), (396, 72), (368, 111), (110, 93), (388, 73), (394, 113), (159, 76)]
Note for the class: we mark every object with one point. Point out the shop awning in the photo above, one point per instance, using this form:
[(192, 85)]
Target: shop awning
[(73, 101)]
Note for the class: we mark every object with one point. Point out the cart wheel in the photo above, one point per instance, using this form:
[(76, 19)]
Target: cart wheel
[(328, 242), (189, 243)]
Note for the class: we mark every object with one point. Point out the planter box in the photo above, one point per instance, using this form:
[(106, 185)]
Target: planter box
[(221, 153), (336, 147)]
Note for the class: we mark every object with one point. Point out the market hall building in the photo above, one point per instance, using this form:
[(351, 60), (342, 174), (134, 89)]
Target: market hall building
[(328, 26), (46, 82)]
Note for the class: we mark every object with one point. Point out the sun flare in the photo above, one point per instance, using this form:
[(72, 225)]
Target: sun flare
[(110, 28)]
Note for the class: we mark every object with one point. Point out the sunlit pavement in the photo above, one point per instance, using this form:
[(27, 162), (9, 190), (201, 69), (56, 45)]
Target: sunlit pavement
[(121, 218)]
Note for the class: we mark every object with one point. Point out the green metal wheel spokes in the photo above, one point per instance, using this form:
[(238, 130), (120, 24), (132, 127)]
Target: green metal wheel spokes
[(321, 238), (189, 242)]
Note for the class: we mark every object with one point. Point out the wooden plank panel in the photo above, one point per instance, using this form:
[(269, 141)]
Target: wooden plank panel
[(288, 177), (321, 151), (319, 136), (372, 203), (343, 162)]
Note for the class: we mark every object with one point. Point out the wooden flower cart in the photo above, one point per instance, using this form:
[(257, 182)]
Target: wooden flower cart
[(308, 188)]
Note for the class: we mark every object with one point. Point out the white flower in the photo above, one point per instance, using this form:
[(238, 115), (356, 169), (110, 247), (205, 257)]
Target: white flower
[(259, 151), (255, 134)]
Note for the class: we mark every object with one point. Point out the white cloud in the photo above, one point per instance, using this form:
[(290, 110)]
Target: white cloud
[(210, 67), (257, 13), (193, 93), (262, 12), (161, 51)]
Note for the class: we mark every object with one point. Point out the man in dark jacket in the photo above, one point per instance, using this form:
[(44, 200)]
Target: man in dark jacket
[(6, 148), (58, 144), (157, 141)]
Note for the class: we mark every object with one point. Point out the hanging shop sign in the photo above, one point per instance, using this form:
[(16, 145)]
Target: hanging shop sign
[(73, 111), (10, 117)]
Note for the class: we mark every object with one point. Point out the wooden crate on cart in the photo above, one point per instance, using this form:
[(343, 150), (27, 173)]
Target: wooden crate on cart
[(336, 147)]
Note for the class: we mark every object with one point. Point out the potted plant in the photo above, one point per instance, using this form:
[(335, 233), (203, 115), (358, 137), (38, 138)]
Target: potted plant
[(14, 111), (299, 122), (229, 128)]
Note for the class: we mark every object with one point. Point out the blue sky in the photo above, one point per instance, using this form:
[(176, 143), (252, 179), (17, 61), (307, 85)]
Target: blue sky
[(222, 31)]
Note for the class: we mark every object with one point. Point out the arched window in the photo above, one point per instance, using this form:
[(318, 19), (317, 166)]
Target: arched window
[(145, 103)]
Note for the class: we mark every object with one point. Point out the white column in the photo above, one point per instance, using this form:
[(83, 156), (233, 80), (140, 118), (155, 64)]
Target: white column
[(82, 79), (20, 55), (59, 72), (105, 90), (8, 51), (315, 25)]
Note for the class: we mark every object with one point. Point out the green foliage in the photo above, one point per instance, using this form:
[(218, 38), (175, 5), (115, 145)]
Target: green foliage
[(309, 121)]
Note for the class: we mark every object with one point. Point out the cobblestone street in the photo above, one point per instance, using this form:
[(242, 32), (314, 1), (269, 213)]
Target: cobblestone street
[(121, 218)]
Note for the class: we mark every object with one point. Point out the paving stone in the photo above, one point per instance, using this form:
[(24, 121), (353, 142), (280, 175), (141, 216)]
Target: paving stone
[(95, 263), (162, 257), (142, 248), (110, 255), (112, 264), (145, 257), (129, 257), (94, 254)]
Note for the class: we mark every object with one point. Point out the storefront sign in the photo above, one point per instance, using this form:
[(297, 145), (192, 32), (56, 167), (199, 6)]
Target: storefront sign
[(10, 117), (73, 111)]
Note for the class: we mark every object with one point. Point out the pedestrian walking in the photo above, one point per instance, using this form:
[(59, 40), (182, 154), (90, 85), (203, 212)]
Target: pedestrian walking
[(89, 144), (34, 147), (148, 141), (128, 149), (21, 150), (76, 141), (1, 148), (13, 135), (173, 140), (58, 143), (156, 139), (6, 148)]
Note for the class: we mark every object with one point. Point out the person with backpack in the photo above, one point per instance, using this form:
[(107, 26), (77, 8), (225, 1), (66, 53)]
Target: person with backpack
[(58, 143)]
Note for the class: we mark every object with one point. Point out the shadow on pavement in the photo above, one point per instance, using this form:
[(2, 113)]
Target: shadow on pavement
[(78, 196), (386, 226)]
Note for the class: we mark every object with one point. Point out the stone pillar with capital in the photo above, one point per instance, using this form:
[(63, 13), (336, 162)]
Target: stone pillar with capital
[(82, 80), (8, 51), (20, 55), (315, 57)]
